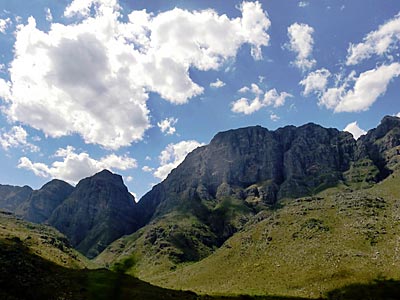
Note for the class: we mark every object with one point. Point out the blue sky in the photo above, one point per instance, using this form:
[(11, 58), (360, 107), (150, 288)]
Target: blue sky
[(133, 86)]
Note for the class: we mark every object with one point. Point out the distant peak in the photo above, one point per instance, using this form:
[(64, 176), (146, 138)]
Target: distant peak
[(103, 173), (387, 119)]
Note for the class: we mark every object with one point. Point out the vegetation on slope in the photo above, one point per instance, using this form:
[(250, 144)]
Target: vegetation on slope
[(25, 275), (306, 248), (43, 240)]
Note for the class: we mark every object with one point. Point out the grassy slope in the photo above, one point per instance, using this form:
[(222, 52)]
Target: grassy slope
[(43, 240), (25, 275), (174, 238), (307, 248)]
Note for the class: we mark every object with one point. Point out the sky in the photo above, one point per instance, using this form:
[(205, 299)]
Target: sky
[(133, 85)]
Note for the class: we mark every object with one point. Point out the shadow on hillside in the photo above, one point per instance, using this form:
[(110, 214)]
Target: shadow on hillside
[(24, 275), (379, 289)]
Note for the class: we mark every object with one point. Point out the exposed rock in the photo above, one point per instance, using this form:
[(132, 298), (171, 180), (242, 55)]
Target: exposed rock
[(255, 167), (41, 203), (99, 210), (13, 196)]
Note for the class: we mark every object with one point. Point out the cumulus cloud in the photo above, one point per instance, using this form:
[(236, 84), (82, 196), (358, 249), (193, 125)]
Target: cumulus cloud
[(398, 115), (217, 84), (167, 126), (315, 82), (147, 169), (73, 166), (173, 155), (379, 42), (49, 15), (4, 23), (301, 42), (303, 4), (82, 7), (367, 88), (93, 77), (354, 130), (4, 89), (274, 117), (16, 138), (260, 99)]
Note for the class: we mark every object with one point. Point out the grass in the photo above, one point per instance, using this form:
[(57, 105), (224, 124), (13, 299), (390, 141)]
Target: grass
[(43, 240), (25, 275), (307, 248)]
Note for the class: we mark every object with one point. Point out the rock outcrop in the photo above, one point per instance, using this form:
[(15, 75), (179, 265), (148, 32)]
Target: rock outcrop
[(254, 163), (42, 203), (245, 170), (11, 197), (98, 211)]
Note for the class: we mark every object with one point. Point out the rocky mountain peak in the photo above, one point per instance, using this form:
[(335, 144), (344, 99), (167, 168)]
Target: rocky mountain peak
[(99, 210)]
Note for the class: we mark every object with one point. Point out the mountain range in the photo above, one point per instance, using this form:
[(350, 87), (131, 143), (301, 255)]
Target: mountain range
[(226, 203)]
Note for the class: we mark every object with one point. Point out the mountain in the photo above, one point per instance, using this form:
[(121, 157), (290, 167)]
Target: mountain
[(248, 175), (288, 162), (99, 210), (219, 187), (13, 196), (41, 203)]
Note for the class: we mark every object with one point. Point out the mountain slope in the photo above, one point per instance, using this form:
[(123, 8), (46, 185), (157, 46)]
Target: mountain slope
[(42, 240), (225, 189), (305, 248), (13, 196), (41, 203), (98, 211), (219, 187)]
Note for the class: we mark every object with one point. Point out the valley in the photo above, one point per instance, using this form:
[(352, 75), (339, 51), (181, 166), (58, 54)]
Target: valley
[(304, 212)]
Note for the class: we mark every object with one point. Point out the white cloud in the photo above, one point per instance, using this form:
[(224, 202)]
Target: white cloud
[(4, 23), (147, 169), (167, 126), (93, 77), (173, 155), (129, 179), (303, 4), (147, 158), (379, 42), (260, 100), (217, 84), (74, 166), (82, 7), (354, 130), (16, 138), (367, 88), (315, 81), (49, 16), (301, 42), (274, 117), (398, 115), (4, 89)]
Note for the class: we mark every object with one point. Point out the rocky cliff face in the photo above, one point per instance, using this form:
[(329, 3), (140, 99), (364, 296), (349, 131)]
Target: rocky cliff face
[(245, 170), (382, 145), (11, 197), (98, 211), (255, 164), (41, 203)]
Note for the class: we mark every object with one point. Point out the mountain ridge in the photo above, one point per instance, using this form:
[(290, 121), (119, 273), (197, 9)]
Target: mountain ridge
[(215, 190)]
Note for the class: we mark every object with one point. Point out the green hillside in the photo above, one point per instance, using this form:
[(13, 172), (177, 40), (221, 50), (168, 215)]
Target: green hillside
[(42, 240), (306, 248), (25, 275)]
